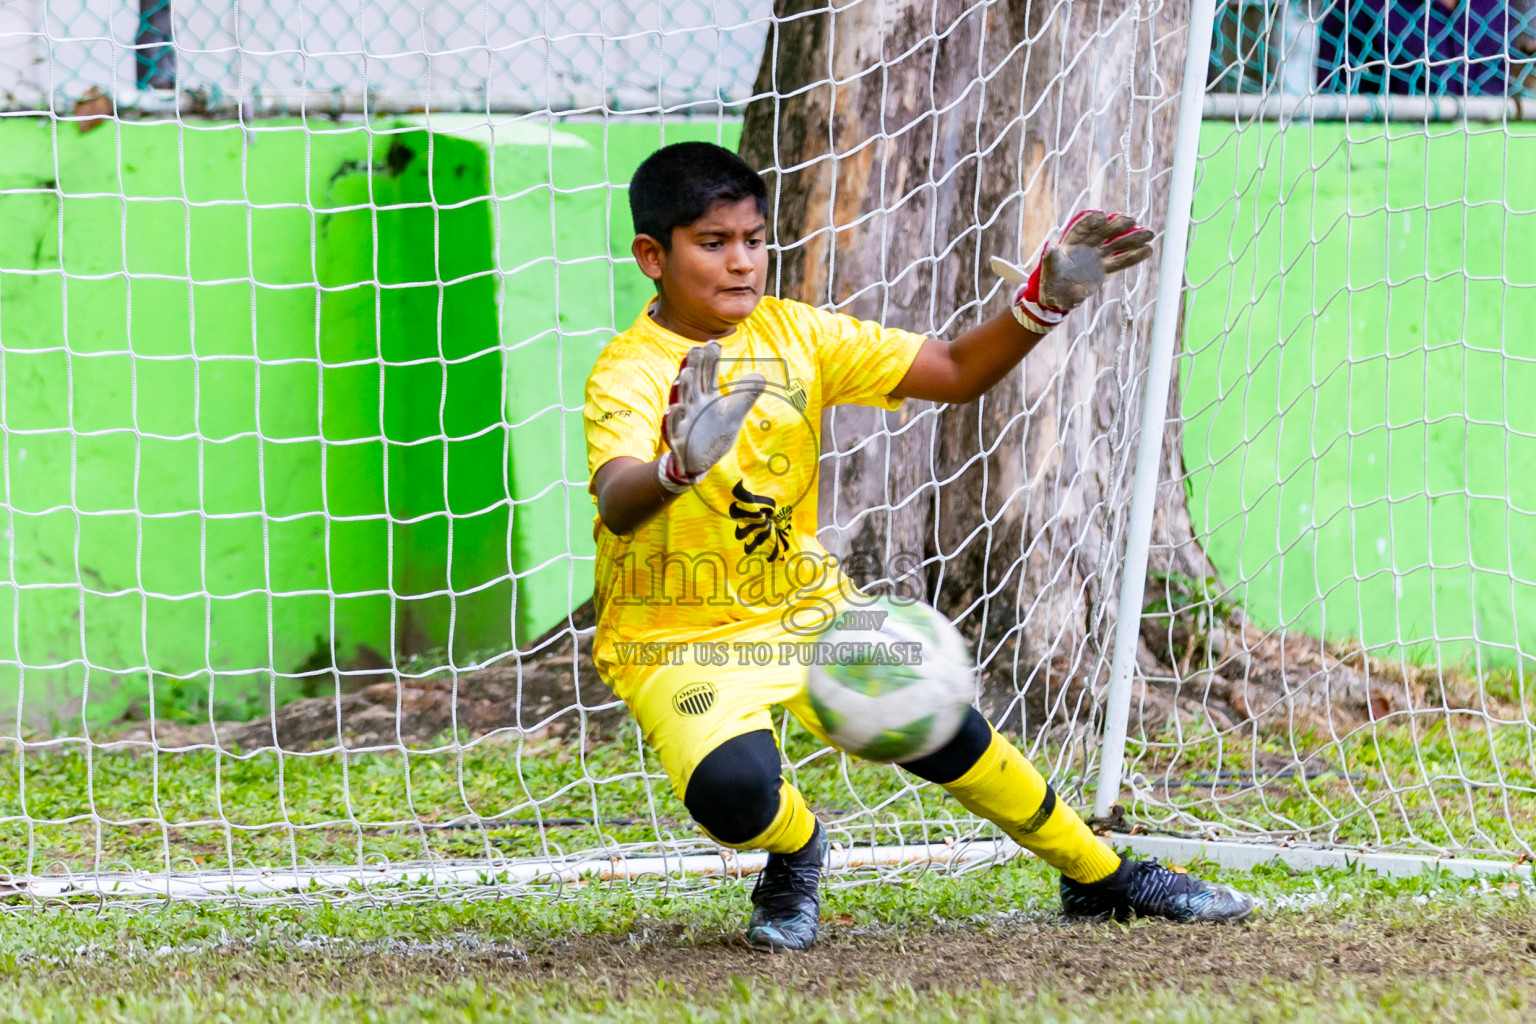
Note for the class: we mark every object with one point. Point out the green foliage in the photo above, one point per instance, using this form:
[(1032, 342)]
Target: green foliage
[(1182, 612), (185, 700), (1181, 594)]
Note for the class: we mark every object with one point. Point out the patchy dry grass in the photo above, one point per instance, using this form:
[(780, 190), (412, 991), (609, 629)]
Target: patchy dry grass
[(982, 946)]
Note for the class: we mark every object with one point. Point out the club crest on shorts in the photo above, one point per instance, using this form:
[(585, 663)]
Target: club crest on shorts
[(694, 699)]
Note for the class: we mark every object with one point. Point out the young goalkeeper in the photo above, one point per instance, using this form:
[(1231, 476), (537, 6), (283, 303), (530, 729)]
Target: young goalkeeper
[(702, 425)]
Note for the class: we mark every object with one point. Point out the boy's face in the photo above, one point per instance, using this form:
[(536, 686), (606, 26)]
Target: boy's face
[(713, 277)]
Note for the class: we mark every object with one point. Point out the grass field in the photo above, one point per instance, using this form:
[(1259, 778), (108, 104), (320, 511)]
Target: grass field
[(1460, 782), (985, 946)]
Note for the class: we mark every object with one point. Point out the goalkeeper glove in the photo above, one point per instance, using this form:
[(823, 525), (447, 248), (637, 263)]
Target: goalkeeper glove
[(1092, 246), (701, 424)]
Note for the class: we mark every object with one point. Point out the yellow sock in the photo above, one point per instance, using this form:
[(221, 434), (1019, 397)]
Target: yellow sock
[(791, 828), (1005, 789)]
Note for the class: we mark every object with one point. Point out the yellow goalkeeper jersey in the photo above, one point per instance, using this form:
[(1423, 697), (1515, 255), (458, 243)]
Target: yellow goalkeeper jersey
[(737, 554)]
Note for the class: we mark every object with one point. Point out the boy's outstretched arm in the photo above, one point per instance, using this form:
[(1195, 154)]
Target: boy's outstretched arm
[(964, 369), (1092, 246)]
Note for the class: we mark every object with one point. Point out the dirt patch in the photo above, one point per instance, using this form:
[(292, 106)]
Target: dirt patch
[(1021, 955), (554, 691), (1049, 954)]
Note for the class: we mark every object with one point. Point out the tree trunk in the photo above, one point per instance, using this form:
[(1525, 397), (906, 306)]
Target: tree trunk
[(906, 142)]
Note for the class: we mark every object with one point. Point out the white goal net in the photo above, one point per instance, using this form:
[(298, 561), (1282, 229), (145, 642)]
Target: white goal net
[(297, 303), (1340, 654)]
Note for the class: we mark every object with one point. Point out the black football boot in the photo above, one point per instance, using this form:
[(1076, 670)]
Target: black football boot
[(1148, 889), (786, 902)]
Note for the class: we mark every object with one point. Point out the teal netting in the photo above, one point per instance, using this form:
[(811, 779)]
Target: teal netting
[(1433, 47)]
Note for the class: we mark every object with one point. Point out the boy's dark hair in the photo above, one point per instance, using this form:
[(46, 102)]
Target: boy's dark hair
[(677, 184)]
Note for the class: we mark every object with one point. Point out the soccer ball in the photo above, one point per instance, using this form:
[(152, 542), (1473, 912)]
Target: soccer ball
[(891, 681)]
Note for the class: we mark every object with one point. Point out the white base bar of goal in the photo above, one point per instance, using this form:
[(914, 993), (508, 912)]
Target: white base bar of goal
[(1246, 856), (725, 863), (472, 874)]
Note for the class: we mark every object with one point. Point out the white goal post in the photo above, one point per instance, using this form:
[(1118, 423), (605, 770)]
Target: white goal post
[(297, 302)]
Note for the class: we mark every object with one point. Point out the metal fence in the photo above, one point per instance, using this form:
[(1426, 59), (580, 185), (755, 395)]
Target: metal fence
[(575, 56), (289, 55), (1367, 47)]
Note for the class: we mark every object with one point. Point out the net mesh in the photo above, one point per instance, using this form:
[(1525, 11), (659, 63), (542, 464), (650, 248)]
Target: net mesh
[(299, 532), (298, 541), (1338, 654)]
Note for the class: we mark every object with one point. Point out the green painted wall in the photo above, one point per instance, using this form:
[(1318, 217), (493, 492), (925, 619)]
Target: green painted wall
[(253, 383), (560, 221), (408, 333), (1359, 378), (177, 306)]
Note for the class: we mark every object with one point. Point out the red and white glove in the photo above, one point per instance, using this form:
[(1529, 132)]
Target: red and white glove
[(701, 424), (1092, 246)]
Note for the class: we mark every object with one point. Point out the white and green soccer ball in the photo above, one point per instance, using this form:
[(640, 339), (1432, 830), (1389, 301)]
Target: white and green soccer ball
[(894, 686)]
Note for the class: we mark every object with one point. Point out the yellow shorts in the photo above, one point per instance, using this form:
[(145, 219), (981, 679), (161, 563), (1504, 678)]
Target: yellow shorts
[(688, 708)]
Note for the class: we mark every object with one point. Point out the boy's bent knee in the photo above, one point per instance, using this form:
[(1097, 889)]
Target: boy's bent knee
[(734, 793)]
